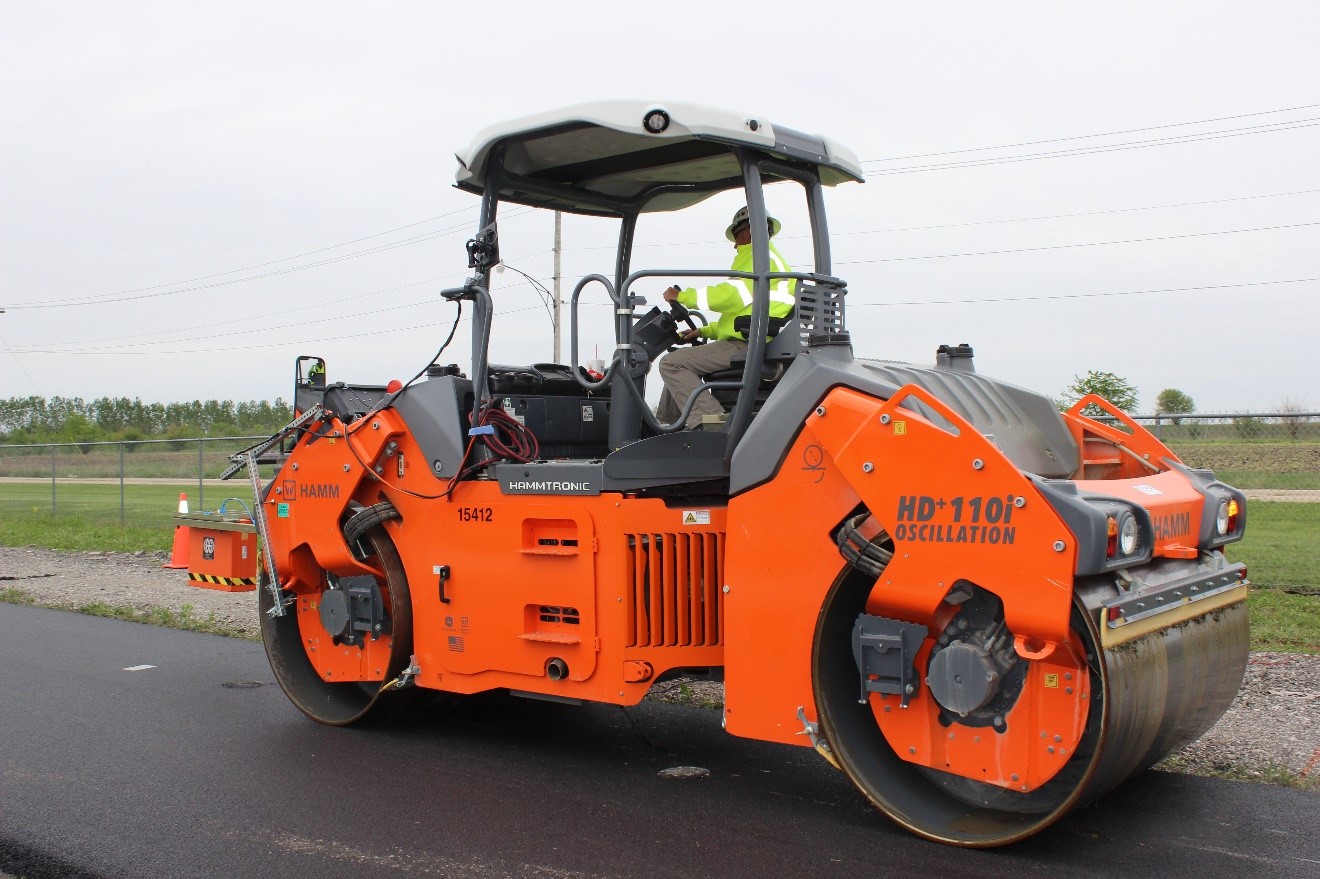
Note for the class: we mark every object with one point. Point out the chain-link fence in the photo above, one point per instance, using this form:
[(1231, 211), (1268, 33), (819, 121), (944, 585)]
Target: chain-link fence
[(1262, 450), (137, 482), (1295, 427)]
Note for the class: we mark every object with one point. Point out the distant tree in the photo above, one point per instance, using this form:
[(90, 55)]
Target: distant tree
[(1293, 415), (72, 419), (1172, 401), (1113, 388)]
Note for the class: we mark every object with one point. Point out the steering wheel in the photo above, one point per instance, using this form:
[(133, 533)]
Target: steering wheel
[(681, 313)]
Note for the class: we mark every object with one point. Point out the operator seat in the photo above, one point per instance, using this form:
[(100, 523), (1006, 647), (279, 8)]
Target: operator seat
[(783, 347)]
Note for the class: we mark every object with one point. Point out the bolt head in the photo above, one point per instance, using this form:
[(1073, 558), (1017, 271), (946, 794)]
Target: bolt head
[(885, 419), (868, 467), (978, 464), (820, 411), (1019, 501), (1060, 546)]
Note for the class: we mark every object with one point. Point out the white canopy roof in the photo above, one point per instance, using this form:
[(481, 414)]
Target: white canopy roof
[(586, 158)]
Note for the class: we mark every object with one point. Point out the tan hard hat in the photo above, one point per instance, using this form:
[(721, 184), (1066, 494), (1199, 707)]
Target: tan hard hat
[(742, 216)]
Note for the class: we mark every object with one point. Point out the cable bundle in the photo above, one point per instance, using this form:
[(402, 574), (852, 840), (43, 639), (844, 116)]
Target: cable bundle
[(509, 439)]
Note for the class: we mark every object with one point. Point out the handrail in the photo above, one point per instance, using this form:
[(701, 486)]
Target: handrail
[(573, 332)]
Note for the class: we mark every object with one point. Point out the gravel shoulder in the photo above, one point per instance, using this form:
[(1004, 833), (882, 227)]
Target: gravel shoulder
[(1271, 732)]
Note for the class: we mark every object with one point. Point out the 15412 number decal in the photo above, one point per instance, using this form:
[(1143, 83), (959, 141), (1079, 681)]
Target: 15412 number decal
[(476, 514)]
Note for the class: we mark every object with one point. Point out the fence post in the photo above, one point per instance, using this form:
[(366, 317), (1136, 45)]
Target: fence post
[(52, 482), (1158, 433), (122, 519), (201, 497)]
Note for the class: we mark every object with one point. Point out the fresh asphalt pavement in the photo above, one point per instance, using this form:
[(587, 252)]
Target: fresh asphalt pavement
[(185, 767)]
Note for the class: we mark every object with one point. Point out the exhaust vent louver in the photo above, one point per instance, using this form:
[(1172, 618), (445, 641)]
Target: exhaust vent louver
[(674, 589)]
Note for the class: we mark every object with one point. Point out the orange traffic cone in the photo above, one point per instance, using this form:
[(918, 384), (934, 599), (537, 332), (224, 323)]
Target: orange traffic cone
[(179, 552)]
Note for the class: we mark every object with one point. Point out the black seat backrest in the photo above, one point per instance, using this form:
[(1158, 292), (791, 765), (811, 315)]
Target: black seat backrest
[(786, 343), (785, 337), (743, 324)]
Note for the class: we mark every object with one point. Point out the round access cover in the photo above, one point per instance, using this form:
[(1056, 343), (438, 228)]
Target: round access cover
[(963, 677), (334, 612)]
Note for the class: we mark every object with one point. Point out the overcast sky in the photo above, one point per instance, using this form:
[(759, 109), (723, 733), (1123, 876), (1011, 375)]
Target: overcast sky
[(261, 180)]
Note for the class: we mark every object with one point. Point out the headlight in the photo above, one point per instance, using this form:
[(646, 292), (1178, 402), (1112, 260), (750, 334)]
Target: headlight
[(1221, 519), (1129, 536), (1124, 535)]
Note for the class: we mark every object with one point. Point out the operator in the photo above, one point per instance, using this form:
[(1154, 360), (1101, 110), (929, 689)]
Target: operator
[(682, 369)]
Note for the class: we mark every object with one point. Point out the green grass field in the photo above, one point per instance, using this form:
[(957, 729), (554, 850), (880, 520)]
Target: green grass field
[(87, 517)]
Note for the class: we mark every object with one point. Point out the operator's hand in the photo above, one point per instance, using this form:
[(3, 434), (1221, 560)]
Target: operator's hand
[(688, 336), (672, 293)]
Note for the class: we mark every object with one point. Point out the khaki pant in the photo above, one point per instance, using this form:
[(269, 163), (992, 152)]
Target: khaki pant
[(682, 369)]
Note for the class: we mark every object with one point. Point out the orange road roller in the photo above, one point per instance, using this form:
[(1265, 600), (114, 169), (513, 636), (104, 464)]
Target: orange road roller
[(984, 611)]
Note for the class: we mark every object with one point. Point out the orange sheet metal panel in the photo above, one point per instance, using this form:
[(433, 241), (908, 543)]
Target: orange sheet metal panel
[(341, 662), (623, 566), (307, 503), (1039, 733), (956, 508), (781, 564), (1175, 508)]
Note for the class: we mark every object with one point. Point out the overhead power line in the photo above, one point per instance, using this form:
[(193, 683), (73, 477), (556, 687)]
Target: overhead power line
[(73, 346), (115, 298), (854, 262), (1107, 148), (1009, 146), (1049, 296), (835, 233), (319, 304), (262, 265), (1157, 207), (281, 344), (538, 306)]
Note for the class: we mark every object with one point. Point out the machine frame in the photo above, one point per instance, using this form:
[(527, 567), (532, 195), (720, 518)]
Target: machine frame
[(983, 610)]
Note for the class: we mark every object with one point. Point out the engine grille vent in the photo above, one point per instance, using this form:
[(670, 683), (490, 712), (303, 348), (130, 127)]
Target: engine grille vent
[(674, 589), (554, 614)]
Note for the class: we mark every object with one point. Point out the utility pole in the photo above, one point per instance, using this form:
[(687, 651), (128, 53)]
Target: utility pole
[(559, 225)]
